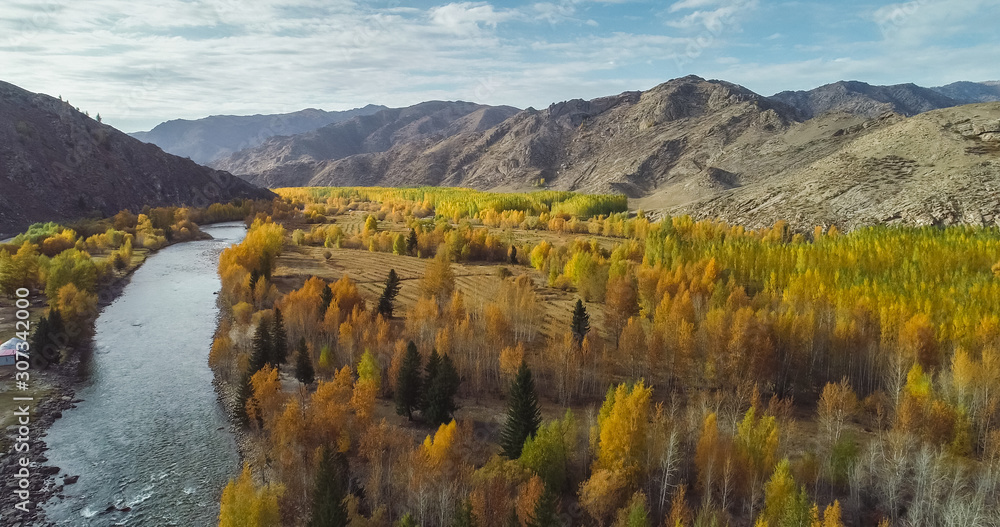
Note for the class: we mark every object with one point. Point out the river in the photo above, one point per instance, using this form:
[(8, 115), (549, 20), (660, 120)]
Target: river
[(150, 435)]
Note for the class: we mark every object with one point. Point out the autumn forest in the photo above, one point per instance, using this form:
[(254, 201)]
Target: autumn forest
[(446, 357)]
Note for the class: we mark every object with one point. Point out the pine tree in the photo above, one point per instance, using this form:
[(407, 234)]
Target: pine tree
[(385, 302), (441, 390), (411, 243), (328, 508), (40, 340), (56, 326), (430, 373), (243, 393), (523, 415), (581, 322), (303, 364), (407, 394), (464, 516), (260, 353), (279, 340), (406, 521), (512, 519), (327, 298), (546, 511)]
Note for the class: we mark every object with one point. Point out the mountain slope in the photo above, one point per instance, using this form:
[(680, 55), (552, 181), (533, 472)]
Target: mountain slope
[(937, 168), (633, 143), (971, 92), (860, 98), (290, 161), (58, 164), (210, 138)]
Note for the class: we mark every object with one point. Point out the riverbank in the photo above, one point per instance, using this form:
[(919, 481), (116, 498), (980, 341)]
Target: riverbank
[(58, 383)]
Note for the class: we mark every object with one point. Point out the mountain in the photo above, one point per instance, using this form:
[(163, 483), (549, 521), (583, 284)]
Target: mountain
[(295, 160), (210, 138), (689, 146), (937, 168), (971, 92), (58, 164), (864, 99)]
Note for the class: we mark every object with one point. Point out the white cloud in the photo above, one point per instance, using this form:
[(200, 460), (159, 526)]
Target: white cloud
[(468, 17), (139, 66), (692, 4), (724, 15)]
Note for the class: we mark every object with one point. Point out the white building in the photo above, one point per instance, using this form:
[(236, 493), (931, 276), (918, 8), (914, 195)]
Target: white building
[(8, 352)]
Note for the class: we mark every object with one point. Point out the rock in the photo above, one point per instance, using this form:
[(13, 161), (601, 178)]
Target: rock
[(48, 470), (69, 480)]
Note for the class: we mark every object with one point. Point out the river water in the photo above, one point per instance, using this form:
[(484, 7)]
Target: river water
[(150, 435)]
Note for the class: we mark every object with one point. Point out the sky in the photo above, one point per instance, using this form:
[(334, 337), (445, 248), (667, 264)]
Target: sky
[(140, 65)]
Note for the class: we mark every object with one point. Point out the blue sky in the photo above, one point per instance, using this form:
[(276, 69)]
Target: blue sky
[(138, 66)]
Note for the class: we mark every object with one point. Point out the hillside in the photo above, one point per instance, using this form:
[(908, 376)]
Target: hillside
[(207, 139), (938, 168), (628, 143), (971, 92), (709, 148), (295, 160), (863, 99), (58, 164)]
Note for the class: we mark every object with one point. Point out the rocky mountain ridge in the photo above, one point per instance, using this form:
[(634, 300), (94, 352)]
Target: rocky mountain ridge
[(58, 164), (695, 146), (204, 140)]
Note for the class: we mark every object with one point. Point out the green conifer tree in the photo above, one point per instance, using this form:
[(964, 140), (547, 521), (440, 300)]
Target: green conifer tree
[(546, 512), (243, 393), (441, 390), (303, 364), (327, 298), (407, 521), (260, 352), (463, 515), (411, 243), (523, 414), (581, 322), (385, 302), (328, 509), (279, 340), (408, 381)]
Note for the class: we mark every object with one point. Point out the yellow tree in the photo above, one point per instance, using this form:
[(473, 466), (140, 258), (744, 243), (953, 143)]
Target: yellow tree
[(778, 493), (837, 405), (623, 422), (267, 400), (621, 303), (438, 280), (246, 505)]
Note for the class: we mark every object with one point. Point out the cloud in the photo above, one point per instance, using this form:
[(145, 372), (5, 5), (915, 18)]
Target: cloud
[(723, 15), (468, 17), (692, 4), (184, 59)]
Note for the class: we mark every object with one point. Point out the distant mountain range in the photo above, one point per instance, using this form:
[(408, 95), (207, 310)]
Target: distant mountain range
[(971, 92), (847, 153), (708, 148), (296, 160), (207, 139), (863, 99), (58, 164)]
